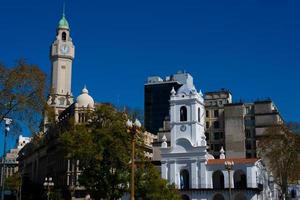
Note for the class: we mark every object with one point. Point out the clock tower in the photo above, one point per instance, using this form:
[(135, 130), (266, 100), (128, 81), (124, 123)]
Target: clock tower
[(183, 162), (62, 53), (187, 116)]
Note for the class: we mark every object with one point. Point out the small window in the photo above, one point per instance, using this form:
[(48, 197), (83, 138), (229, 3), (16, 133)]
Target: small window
[(216, 113), (248, 145), (221, 135), (207, 113), (61, 101), (207, 125), (183, 114), (199, 115), (184, 179), (248, 133), (207, 135), (64, 36), (217, 147), (216, 124), (216, 136), (248, 155)]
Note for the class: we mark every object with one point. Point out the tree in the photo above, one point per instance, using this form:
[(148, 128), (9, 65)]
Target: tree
[(22, 94), (13, 183), (280, 147), (150, 186), (103, 147)]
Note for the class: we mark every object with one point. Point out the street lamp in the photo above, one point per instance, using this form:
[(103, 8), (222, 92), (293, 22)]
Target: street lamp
[(229, 166), (132, 128), (47, 185), (6, 130)]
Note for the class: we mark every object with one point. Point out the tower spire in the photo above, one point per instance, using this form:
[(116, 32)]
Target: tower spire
[(64, 8)]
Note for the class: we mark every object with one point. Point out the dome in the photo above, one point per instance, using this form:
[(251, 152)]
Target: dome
[(85, 100), (63, 23), (187, 89)]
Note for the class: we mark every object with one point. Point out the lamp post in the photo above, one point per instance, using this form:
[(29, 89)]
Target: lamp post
[(229, 166), (6, 130), (47, 185), (132, 128)]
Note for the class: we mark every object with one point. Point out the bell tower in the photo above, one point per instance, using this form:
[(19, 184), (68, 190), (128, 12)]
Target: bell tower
[(184, 160), (187, 116), (62, 53)]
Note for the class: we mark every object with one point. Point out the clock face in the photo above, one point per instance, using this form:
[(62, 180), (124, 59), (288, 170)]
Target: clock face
[(183, 128), (64, 49)]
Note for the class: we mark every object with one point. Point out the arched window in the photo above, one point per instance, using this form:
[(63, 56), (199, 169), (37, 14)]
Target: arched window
[(218, 197), (184, 179), (183, 114), (218, 180), (240, 179), (240, 196), (293, 193), (199, 115), (185, 197), (64, 36)]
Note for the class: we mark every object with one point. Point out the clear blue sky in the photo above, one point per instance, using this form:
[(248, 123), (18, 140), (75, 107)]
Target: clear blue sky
[(249, 47)]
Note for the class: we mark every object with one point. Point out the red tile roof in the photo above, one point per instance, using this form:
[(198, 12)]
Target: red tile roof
[(235, 160)]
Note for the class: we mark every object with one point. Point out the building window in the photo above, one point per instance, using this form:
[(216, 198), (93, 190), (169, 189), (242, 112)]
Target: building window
[(248, 145), (184, 179), (216, 136), (218, 180), (217, 147), (247, 133), (248, 155), (64, 36), (216, 124), (61, 101), (221, 135), (207, 113), (207, 125), (240, 179), (183, 114), (207, 135), (220, 103), (199, 115), (293, 193), (216, 113), (218, 197), (240, 196)]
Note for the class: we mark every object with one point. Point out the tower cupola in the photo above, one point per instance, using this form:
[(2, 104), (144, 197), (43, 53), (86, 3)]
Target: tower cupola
[(63, 23)]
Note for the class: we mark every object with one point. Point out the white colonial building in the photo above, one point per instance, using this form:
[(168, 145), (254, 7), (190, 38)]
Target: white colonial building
[(186, 163)]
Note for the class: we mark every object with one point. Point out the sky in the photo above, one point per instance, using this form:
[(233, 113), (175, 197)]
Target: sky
[(249, 47)]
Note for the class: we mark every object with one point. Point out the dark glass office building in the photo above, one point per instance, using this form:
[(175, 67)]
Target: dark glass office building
[(157, 104), (157, 96)]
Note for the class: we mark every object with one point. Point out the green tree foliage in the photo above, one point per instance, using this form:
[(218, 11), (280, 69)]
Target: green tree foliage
[(150, 186), (22, 93), (53, 195), (13, 183), (103, 146), (280, 147)]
